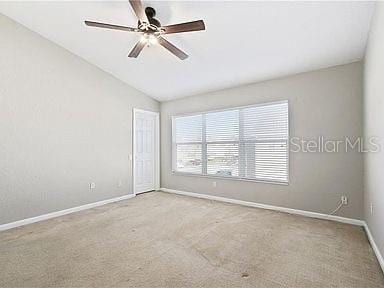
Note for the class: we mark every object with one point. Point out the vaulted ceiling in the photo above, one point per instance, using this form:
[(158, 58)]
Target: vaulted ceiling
[(244, 41)]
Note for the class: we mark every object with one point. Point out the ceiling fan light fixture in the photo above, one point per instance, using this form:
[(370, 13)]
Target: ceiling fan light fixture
[(152, 39), (144, 38), (149, 39)]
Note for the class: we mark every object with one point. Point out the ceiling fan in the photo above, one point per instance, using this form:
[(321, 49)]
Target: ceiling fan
[(151, 30)]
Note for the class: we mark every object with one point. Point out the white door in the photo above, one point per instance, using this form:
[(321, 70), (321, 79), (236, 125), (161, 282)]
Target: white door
[(145, 150)]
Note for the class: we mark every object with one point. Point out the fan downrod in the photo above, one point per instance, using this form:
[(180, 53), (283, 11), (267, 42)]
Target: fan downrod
[(151, 13)]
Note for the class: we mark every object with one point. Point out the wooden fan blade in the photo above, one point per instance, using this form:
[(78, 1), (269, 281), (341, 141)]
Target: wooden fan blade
[(139, 10), (184, 27), (137, 49), (110, 26), (172, 48)]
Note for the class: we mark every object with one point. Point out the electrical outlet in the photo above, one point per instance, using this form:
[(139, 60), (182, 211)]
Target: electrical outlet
[(344, 200), (92, 185), (214, 184), (120, 183), (371, 208)]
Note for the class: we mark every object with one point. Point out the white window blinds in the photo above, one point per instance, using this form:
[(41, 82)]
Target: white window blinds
[(247, 143)]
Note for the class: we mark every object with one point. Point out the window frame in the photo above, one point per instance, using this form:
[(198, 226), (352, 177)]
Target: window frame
[(204, 143)]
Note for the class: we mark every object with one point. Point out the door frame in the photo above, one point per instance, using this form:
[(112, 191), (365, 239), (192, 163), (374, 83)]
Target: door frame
[(157, 147)]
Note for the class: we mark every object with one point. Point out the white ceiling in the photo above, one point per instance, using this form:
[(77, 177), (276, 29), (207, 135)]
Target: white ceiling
[(244, 41)]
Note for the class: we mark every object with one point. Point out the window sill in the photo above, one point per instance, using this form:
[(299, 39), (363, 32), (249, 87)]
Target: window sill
[(175, 173)]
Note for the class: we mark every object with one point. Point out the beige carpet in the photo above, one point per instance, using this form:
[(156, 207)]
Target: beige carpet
[(164, 240)]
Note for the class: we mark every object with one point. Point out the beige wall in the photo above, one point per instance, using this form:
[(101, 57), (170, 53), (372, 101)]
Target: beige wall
[(327, 102), (374, 126), (63, 124)]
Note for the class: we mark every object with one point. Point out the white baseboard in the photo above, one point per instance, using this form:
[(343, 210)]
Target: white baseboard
[(62, 212), (374, 246), (269, 207), (203, 196)]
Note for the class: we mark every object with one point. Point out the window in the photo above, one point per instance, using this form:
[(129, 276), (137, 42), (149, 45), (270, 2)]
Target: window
[(244, 143)]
